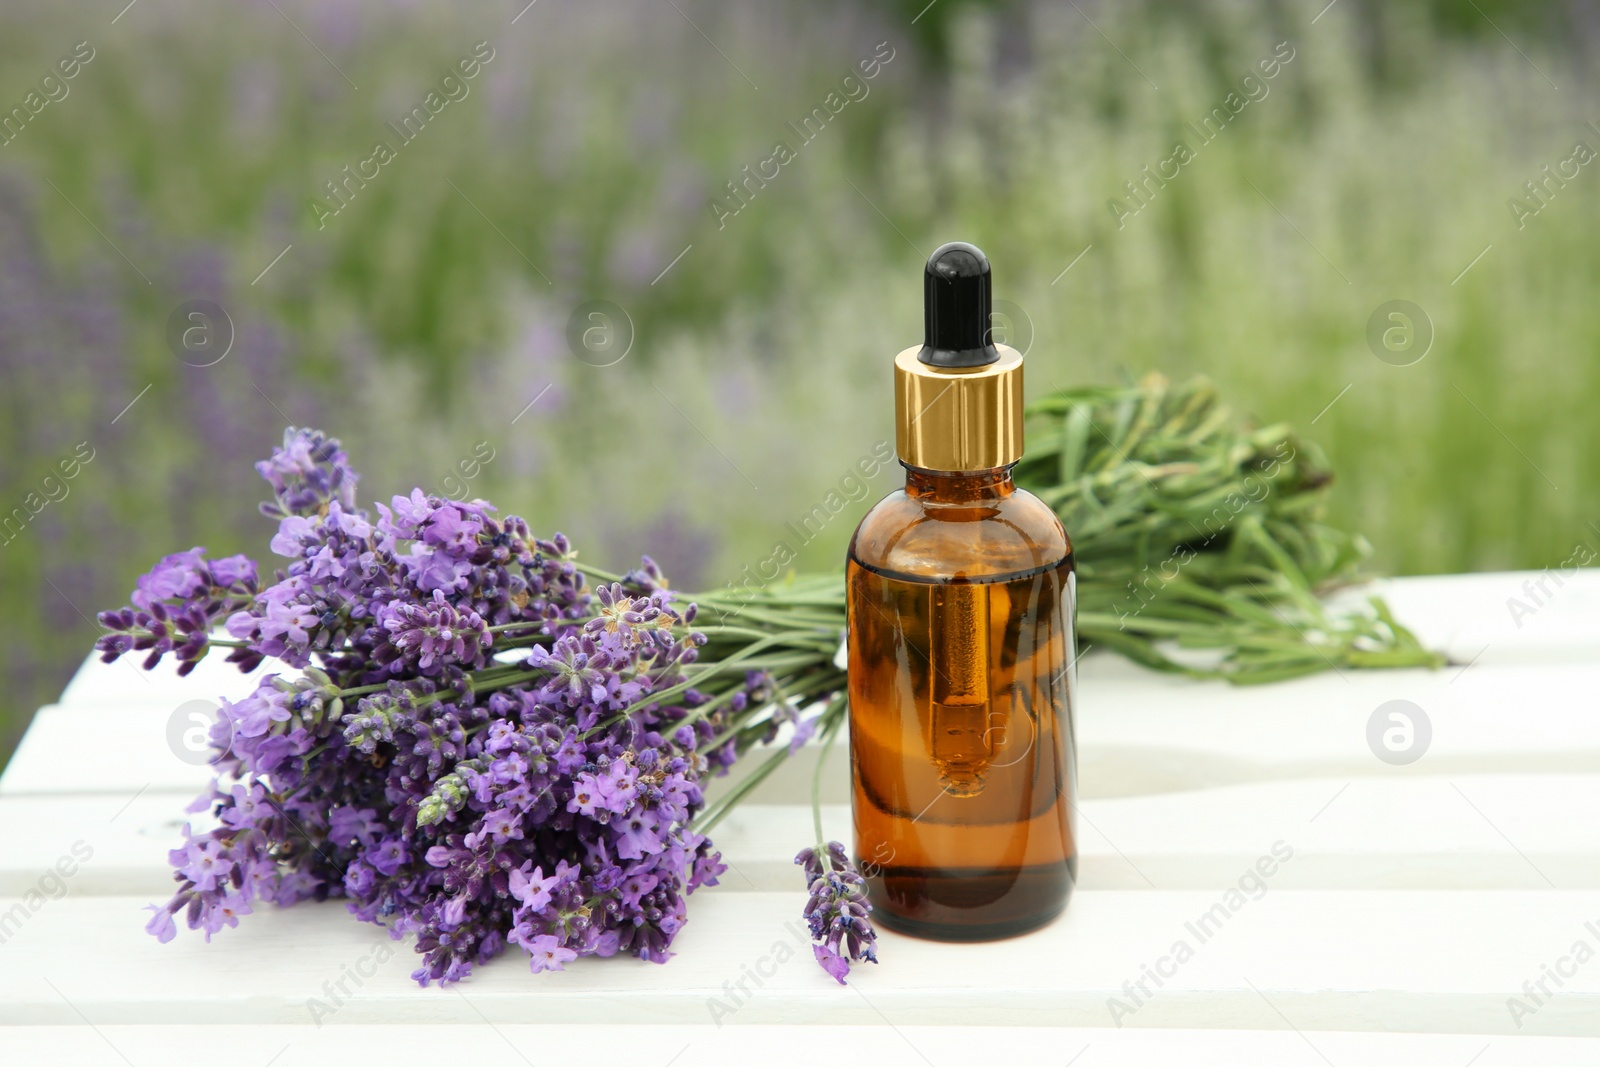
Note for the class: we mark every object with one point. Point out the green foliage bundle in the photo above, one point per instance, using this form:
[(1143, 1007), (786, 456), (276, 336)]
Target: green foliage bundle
[(1194, 531)]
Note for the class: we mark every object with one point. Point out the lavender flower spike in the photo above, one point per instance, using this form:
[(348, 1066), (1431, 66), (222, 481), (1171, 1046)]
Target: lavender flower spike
[(307, 473), (837, 910)]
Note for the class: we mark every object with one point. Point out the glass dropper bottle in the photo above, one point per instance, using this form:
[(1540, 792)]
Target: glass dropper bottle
[(961, 645)]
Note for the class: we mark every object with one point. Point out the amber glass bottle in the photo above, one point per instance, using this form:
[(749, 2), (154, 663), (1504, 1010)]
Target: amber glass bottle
[(961, 647)]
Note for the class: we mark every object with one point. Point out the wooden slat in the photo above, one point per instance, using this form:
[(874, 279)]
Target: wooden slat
[(1498, 617), (1372, 961), (99, 685), (1142, 733), (113, 750), (518, 1045), (1409, 833), (1137, 732)]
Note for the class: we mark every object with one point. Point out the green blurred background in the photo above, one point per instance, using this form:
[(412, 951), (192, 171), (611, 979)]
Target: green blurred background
[(427, 321)]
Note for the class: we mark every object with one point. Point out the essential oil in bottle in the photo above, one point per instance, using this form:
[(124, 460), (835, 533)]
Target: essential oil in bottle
[(961, 646)]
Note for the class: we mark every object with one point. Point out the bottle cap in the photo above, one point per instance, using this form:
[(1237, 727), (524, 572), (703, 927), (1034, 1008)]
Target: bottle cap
[(958, 395)]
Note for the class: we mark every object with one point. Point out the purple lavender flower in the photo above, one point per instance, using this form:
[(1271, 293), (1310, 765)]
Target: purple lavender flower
[(306, 474), (178, 576), (546, 804), (175, 607), (837, 910), (531, 888), (161, 925), (547, 953), (435, 633)]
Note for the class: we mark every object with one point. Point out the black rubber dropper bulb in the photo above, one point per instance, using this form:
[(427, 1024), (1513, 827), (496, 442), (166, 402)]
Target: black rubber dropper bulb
[(956, 308)]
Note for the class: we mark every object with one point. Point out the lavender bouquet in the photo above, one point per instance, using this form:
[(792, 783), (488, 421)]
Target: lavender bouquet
[(479, 746)]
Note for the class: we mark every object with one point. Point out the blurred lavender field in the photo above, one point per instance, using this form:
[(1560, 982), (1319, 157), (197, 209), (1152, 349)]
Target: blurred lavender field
[(421, 310)]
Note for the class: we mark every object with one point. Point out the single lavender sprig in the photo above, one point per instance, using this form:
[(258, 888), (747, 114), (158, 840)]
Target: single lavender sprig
[(174, 608), (837, 910)]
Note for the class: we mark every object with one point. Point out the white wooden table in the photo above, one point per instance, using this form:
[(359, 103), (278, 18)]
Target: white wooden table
[(1421, 900)]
